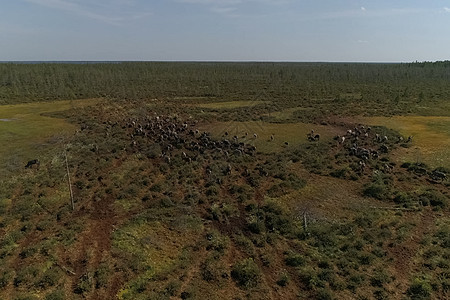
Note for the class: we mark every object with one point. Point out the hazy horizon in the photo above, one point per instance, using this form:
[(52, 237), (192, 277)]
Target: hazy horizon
[(225, 31), (212, 61)]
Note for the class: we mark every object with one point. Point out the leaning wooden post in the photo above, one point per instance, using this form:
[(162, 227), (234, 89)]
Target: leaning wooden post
[(305, 222), (70, 185)]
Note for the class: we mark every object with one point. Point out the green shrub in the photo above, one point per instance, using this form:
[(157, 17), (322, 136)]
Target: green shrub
[(212, 191), (365, 259), (445, 283), (55, 295), (49, 278), (246, 273), (101, 275), (212, 270), (324, 294), (419, 289), (296, 182), (405, 165), (216, 241), (403, 198), (376, 190), (283, 278), (156, 188), (26, 275), (172, 287), (84, 284), (444, 236), (379, 279), (324, 264), (28, 252), (339, 173), (294, 259), (326, 275), (380, 294), (435, 198), (245, 244), (255, 225), (337, 283), (324, 235), (5, 278), (357, 278), (278, 222), (309, 277)]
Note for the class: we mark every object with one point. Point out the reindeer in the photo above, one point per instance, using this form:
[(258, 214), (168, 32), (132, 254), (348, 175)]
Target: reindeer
[(228, 170), (436, 175), (31, 163), (313, 136), (362, 166), (384, 149)]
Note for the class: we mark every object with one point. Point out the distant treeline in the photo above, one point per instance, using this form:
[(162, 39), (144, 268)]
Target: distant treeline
[(285, 81)]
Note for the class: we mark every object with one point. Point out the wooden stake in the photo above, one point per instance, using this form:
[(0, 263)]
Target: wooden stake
[(305, 222), (70, 185)]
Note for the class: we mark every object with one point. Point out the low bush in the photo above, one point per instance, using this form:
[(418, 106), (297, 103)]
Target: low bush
[(376, 190), (419, 289), (49, 278), (435, 198), (84, 284), (217, 242), (212, 270), (294, 259), (283, 278), (339, 173), (101, 275), (309, 277), (324, 294), (5, 278), (56, 295), (246, 273), (403, 198)]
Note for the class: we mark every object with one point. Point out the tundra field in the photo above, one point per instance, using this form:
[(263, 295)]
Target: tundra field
[(224, 181)]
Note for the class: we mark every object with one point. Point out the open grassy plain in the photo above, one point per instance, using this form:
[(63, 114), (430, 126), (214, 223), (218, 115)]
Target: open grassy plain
[(27, 130), (225, 181), (431, 135)]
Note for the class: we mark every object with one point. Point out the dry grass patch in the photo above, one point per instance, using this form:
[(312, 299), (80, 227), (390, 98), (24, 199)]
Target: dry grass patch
[(25, 131), (293, 133), (230, 104), (431, 136)]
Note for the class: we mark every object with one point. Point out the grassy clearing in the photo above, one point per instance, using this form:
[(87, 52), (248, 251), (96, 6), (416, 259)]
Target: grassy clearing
[(230, 104), (431, 143), (155, 249), (287, 114), (25, 130), (293, 134), (330, 193), (192, 98), (440, 108)]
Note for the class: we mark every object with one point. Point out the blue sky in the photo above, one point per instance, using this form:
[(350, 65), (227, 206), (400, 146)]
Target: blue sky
[(224, 30)]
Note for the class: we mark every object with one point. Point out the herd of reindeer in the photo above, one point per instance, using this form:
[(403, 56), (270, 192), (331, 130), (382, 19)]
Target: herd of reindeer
[(177, 138)]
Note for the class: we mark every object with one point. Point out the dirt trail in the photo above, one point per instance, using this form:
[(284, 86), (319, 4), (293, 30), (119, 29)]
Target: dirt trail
[(405, 253), (94, 243), (192, 272)]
